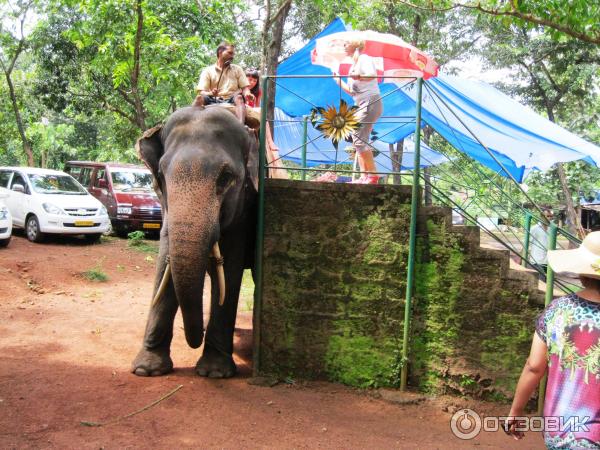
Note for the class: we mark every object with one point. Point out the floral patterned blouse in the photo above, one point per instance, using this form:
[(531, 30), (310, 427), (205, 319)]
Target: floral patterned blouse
[(570, 327)]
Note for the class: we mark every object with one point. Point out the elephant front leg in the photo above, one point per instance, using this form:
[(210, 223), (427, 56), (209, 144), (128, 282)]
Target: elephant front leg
[(154, 358), (217, 357)]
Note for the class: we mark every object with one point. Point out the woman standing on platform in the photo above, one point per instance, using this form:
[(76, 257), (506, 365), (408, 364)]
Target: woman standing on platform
[(362, 86)]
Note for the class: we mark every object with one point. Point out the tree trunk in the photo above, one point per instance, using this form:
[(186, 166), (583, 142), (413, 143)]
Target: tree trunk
[(416, 31), (427, 132), (396, 157), (140, 113), (273, 33), (13, 98), (573, 222), (572, 216)]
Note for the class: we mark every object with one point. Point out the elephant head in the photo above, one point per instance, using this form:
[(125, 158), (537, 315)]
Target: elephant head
[(205, 166)]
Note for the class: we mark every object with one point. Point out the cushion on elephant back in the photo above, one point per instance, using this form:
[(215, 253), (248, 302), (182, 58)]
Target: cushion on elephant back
[(252, 114)]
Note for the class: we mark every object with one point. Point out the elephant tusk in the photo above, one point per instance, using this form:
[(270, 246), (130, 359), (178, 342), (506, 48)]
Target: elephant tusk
[(216, 253), (163, 282)]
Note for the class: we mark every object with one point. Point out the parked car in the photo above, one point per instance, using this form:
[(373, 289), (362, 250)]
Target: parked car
[(50, 201), (125, 190), (5, 219)]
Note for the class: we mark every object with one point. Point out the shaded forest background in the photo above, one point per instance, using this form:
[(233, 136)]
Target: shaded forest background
[(83, 78)]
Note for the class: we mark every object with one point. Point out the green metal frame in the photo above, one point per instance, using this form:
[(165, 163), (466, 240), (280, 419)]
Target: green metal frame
[(260, 232), (304, 141), (410, 277), (552, 232), (526, 241)]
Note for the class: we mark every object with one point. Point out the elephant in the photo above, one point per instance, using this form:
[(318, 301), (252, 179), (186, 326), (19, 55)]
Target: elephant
[(205, 167)]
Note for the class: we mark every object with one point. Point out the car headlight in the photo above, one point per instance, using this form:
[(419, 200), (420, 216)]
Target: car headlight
[(124, 210), (102, 211), (52, 209), (3, 212)]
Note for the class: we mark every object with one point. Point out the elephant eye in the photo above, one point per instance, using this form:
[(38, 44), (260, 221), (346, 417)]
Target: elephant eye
[(225, 180)]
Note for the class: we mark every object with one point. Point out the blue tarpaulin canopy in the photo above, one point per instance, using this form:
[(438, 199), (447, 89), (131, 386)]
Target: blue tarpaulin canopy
[(289, 138), (464, 112)]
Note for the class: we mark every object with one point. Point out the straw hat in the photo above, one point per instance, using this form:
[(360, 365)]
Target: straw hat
[(584, 260)]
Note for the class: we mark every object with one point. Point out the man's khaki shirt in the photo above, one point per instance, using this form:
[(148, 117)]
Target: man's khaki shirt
[(233, 80)]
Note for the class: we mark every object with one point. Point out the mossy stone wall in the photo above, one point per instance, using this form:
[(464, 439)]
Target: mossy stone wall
[(334, 270)]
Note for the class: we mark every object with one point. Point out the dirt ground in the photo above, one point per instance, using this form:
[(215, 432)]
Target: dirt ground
[(66, 344)]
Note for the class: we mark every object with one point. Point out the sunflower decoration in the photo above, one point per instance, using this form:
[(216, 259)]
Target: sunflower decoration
[(335, 125)]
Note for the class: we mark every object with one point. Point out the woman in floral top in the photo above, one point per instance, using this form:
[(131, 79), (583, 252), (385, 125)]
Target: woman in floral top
[(567, 343)]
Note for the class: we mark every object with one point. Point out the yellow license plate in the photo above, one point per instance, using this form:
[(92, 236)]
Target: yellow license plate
[(84, 223), (151, 225)]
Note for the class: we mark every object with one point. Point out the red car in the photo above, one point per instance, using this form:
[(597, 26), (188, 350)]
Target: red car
[(126, 192)]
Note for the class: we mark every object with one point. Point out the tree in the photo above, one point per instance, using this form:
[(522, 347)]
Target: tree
[(551, 76), (120, 66), (276, 14), (575, 18), (13, 43)]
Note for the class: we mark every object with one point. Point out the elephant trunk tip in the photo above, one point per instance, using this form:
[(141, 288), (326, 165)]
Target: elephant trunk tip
[(194, 336)]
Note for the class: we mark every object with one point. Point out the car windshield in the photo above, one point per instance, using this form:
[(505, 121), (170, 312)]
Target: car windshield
[(56, 184), (129, 180)]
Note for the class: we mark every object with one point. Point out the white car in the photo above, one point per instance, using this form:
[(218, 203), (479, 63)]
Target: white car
[(5, 220), (49, 201)]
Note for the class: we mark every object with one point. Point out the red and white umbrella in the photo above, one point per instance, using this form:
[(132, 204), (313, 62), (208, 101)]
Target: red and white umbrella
[(392, 56)]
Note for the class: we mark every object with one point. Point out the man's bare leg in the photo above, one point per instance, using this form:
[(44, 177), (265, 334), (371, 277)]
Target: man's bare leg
[(240, 108), (198, 101)]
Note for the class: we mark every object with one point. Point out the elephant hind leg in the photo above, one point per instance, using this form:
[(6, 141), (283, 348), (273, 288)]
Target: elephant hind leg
[(215, 364)]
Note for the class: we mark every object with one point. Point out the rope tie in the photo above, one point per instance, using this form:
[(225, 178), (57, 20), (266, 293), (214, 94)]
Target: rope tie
[(219, 261)]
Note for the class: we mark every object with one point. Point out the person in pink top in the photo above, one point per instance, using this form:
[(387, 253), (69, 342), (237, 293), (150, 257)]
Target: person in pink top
[(566, 345)]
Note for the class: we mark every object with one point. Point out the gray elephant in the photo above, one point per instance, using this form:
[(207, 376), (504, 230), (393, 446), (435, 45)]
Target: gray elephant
[(204, 163)]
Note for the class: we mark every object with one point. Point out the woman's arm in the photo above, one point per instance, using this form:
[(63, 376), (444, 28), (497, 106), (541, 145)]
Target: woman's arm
[(341, 83), (534, 370)]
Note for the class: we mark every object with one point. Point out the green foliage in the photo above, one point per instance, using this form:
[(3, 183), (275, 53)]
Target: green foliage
[(583, 180), (438, 283), (96, 273), (557, 18), (137, 241), (360, 361)]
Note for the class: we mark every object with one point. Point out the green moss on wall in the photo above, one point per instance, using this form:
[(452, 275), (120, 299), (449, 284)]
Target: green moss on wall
[(438, 281), (335, 286), (362, 361), (505, 353)]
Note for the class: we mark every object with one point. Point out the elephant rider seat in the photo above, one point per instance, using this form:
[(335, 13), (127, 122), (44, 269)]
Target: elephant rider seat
[(252, 119)]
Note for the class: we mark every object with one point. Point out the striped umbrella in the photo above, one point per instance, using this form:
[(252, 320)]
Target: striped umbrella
[(391, 55)]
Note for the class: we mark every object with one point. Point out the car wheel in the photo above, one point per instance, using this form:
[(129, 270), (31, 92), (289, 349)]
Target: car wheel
[(110, 230), (4, 242), (32, 229), (93, 237)]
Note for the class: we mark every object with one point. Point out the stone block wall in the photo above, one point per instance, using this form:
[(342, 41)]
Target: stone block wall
[(334, 270)]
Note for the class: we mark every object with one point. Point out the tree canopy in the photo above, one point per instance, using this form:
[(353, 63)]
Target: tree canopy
[(84, 78)]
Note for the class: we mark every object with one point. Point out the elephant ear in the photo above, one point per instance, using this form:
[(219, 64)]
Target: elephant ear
[(150, 149), (251, 157)]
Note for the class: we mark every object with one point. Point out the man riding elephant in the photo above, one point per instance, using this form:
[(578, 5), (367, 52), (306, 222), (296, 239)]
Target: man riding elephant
[(224, 82)]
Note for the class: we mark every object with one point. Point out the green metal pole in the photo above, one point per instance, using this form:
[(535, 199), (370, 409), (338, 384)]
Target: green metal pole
[(410, 276), (526, 243), (552, 229), (260, 228), (304, 140)]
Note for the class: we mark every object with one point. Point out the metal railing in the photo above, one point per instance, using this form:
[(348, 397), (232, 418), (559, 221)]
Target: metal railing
[(503, 196)]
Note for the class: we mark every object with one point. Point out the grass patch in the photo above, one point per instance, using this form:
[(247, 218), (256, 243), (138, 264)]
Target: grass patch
[(96, 273), (247, 291), (136, 241)]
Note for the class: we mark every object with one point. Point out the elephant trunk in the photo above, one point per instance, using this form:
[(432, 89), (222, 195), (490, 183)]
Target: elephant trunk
[(190, 244)]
